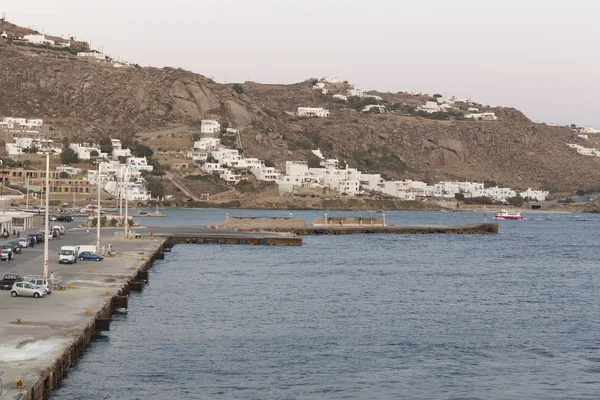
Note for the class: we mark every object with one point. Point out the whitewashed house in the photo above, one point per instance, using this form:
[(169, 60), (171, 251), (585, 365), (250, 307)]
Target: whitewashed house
[(37, 38), (118, 150), (488, 116), (379, 108), (269, 174), (210, 126), (139, 164), (207, 143), (430, 107), (340, 97), (84, 151), (92, 55), (312, 112)]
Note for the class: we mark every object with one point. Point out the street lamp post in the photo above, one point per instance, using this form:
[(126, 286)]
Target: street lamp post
[(126, 204)]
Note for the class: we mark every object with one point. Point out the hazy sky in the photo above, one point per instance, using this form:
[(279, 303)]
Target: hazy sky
[(541, 56)]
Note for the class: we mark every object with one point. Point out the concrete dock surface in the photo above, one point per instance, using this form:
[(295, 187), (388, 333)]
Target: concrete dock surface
[(33, 349)]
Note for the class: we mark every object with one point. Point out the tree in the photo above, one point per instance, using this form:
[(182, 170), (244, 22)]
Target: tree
[(580, 192), (239, 89), (64, 175), (156, 188), (106, 145), (459, 196), (68, 156), (142, 151), (437, 96), (516, 201), (94, 153)]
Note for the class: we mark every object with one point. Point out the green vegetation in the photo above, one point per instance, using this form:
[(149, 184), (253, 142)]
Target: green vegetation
[(239, 89), (64, 175), (155, 186), (106, 145), (142, 151), (68, 156)]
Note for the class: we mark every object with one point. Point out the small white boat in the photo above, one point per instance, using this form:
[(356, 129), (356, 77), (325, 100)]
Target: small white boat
[(509, 215)]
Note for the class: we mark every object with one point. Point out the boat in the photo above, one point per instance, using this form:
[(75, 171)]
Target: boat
[(509, 215), (142, 212)]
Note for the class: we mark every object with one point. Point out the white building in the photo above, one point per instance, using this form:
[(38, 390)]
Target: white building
[(210, 126), (118, 150), (379, 108), (68, 169), (430, 107), (473, 109), (38, 39), (93, 55), (230, 177), (536, 195), (207, 143), (269, 174), (312, 112), (488, 116), (356, 93), (20, 123), (139, 164), (340, 96), (84, 151), (589, 130)]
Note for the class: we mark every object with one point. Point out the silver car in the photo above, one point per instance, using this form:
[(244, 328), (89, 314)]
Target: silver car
[(27, 289), (41, 282)]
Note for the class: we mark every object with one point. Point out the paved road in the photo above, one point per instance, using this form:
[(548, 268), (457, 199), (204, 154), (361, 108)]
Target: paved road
[(31, 259)]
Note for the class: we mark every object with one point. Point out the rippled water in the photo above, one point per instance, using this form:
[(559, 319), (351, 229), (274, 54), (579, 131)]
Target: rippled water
[(514, 315)]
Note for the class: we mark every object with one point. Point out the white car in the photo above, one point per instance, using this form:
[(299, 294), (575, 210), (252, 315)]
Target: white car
[(27, 289), (24, 242)]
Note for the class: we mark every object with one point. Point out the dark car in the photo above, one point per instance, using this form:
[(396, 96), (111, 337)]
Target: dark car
[(8, 281), (39, 237), (64, 218), (88, 255), (14, 246), (33, 237)]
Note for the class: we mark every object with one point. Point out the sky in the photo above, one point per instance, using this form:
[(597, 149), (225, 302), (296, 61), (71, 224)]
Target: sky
[(540, 56)]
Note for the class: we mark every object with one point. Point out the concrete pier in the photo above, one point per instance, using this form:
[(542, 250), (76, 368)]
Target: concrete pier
[(40, 338)]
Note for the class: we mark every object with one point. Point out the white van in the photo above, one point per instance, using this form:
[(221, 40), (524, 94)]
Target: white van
[(60, 228), (85, 247), (68, 254)]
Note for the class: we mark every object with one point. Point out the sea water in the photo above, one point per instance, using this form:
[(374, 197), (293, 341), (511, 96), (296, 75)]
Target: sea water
[(513, 315)]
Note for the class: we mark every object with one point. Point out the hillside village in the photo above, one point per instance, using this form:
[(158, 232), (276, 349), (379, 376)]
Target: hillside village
[(321, 138)]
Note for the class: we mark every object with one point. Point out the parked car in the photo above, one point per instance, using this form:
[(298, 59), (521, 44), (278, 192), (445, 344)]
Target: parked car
[(53, 218), (41, 282), (89, 256), (24, 242), (8, 281), (6, 254), (39, 237), (64, 218), (27, 289), (14, 246)]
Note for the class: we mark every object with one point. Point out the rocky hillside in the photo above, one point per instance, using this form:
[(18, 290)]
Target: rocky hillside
[(85, 100)]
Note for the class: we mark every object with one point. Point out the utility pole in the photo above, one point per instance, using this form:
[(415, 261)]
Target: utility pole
[(47, 216), (126, 204), (98, 222)]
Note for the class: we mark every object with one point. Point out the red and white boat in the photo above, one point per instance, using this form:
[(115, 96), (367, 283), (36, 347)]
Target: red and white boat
[(509, 215)]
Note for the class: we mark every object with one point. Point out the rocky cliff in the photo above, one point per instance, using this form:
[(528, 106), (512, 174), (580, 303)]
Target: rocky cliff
[(85, 100)]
